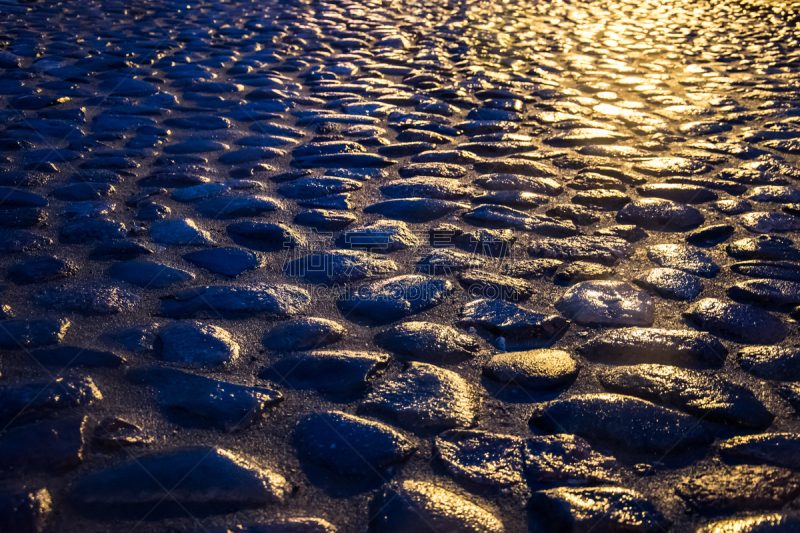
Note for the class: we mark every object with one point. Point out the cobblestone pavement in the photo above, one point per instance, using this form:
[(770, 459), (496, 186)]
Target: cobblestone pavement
[(399, 267)]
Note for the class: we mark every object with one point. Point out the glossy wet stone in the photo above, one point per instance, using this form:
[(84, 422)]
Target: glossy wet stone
[(778, 449), (505, 217), (132, 487), (393, 298), (603, 509), (612, 303), (424, 396), (428, 342), (415, 506), (683, 258), (303, 334), (578, 271), (742, 323), (685, 348), (627, 423), (380, 236), (481, 458), (281, 301), (415, 209), (715, 400), (534, 369), (567, 458), (350, 445), (327, 371), (770, 362), (767, 247), (769, 523), (671, 284), (516, 324), (197, 401), (739, 488), (286, 130), (762, 222), (88, 299), (607, 250)]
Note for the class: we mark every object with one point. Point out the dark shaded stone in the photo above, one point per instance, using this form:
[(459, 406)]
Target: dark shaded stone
[(626, 423), (778, 449), (771, 292), (203, 480), (198, 401), (660, 215), (742, 323), (228, 261), (119, 251), (147, 274), (41, 399), (339, 266), (684, 348), (74, 356), (41, 269), (113, 433), (716, 400), (52, 447), (327, 371), (505, 217), (415, 209), (195, 344), (266, 236), (771, 362), (24, 510), (303, 334), (226, 207), (32, 333), (349, 445)]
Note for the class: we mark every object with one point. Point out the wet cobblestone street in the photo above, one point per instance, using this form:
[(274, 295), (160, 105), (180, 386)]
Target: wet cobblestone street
[(400, 267)]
